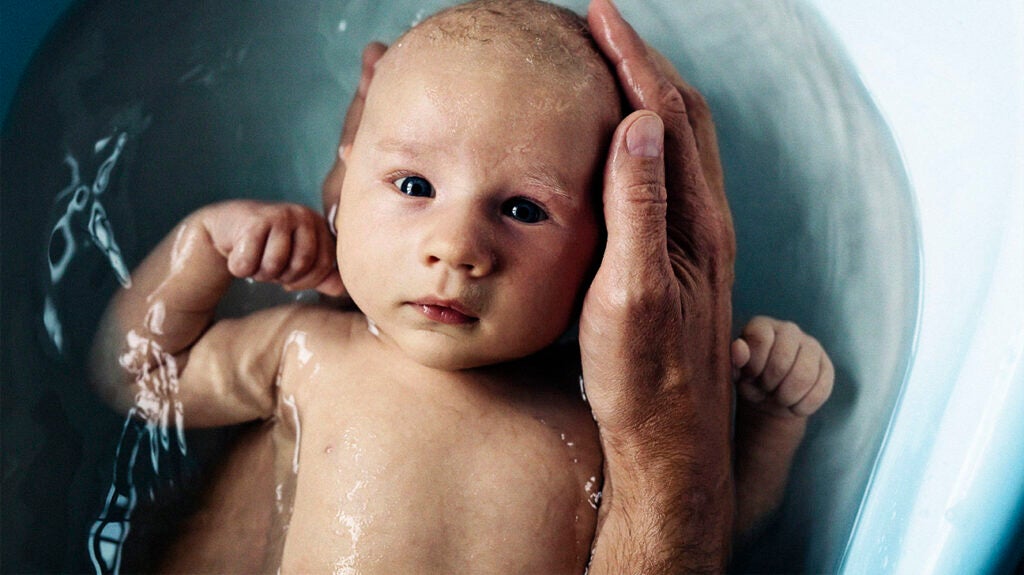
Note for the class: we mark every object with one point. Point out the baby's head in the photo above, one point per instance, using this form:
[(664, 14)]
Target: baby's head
[(469, 216)]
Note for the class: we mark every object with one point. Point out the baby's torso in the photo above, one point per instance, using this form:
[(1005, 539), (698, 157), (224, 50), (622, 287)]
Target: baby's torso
[(373, 466)]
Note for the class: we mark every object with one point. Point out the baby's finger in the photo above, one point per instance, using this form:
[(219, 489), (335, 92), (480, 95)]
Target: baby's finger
[(276, 254), (819, 393), (739, 353), (782, 356), (303, 253), (802, 376), (246, 254), (759, 335), (321, 267)]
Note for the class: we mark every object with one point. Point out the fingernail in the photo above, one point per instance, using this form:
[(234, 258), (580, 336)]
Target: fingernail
[(645, 137)]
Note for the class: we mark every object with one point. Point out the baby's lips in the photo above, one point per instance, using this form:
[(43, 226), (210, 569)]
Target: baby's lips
[(449, 312), (446, 315)]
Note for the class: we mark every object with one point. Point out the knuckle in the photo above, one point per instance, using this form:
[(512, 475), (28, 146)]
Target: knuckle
[(804, 374), (774, 372), (788, 331), (758, 330), (302, 260), (671, 102), (812, 401), (242, 265), (641, 295), (274, 263)]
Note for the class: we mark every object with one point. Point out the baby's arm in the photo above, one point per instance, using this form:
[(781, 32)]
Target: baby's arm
[(160, 333), (783, 376)]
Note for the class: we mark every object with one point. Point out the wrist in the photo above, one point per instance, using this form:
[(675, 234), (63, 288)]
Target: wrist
[(668, 500), (678, 529), (767, 425)]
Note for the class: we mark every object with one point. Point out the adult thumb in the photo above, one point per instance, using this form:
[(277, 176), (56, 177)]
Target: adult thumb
[(635, 198)]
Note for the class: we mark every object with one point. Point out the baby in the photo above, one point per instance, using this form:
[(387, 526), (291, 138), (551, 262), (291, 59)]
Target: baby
[(440, 427)]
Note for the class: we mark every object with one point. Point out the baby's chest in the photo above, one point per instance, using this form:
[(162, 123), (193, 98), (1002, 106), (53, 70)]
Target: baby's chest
[(385, 452), (442, 483)]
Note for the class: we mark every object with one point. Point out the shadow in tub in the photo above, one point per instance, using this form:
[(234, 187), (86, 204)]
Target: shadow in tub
[(133, 114)]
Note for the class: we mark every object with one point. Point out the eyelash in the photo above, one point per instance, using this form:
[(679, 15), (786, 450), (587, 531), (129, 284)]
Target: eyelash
[(401, 182), (508, 208), (533, 212)]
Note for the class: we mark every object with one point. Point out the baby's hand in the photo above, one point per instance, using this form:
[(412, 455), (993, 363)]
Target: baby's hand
[(281, 243), (780, 370)]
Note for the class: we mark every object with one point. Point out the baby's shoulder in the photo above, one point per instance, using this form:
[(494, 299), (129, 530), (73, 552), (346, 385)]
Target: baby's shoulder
[(314, 322), (314, 339)]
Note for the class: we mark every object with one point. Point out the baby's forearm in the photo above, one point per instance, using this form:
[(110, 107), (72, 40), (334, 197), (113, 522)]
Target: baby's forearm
[(171, 303), (765, 447)]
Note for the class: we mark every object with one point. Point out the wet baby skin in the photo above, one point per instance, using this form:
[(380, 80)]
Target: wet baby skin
[(440, 429)]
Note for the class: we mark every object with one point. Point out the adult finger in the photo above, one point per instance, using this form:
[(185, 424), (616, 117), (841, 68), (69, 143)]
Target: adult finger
[(371, 54), (645, 86), (332, 185), (635, 201), (698, 214), (698, 114)]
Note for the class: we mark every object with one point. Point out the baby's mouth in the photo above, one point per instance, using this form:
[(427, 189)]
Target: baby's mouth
[(445, 311)]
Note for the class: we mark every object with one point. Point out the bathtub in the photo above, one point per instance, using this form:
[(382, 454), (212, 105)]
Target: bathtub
[(873, 161)]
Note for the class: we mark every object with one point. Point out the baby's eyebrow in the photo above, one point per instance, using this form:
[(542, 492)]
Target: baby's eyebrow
[(549, 181), (404, 146)]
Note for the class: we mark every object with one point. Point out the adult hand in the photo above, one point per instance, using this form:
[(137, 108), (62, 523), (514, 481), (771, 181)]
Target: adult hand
[(655, 326), (332, 184)]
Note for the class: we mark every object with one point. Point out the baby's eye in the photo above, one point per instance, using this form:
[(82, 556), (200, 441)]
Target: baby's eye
[(415, 186), (523, 210)]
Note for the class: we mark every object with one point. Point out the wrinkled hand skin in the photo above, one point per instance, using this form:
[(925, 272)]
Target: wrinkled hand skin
[(655, 327)]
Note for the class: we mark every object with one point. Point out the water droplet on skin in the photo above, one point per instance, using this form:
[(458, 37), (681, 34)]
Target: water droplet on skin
[(289, 401), (298, 338)]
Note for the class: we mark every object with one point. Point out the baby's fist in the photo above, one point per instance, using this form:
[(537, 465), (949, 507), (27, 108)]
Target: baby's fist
[(288, 244), (781, 370)]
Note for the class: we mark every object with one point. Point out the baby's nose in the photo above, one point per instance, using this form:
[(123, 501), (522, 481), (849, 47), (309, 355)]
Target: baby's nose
[(463, 245)]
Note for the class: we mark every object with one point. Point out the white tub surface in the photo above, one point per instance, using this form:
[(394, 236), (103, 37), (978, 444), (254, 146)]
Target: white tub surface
[(948, 491)]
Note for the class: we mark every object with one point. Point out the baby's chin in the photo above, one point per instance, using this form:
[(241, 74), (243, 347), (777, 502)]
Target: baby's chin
[(460, 360), (446, 355)]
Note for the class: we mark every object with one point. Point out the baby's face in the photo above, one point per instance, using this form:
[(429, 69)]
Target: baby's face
[(467, 220)]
